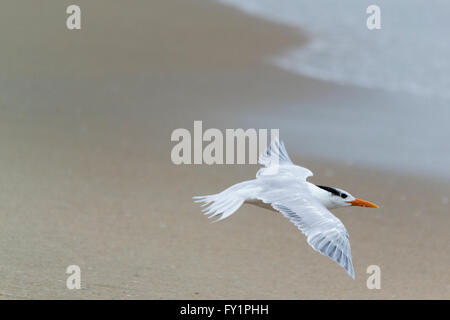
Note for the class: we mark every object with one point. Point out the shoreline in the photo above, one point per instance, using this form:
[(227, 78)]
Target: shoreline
[(350, 114)]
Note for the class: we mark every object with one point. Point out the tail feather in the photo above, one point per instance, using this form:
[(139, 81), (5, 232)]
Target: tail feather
[(215, 205), (224, 203)]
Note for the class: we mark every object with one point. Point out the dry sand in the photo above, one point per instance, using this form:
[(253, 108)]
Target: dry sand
[(85, 124)]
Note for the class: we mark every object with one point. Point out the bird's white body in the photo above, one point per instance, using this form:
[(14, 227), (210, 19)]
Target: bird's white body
[(281, 186)]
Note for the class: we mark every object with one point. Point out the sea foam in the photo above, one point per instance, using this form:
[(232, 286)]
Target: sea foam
[(410, 53)]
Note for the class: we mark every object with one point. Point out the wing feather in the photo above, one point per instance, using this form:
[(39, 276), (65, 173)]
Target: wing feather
[(276, 159), (276, 152), (325, 233)]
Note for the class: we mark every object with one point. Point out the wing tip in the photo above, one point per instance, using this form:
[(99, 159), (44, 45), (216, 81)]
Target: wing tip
[(275, 151), (351, 273)]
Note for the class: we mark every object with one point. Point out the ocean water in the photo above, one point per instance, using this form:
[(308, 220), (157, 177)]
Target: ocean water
[(410, 53), (406, 129)]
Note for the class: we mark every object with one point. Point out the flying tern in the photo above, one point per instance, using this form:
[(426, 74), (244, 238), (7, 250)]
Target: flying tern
[(281, 186)]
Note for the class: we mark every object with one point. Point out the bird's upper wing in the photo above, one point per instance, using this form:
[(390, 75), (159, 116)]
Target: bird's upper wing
[(276, 161), (325, 232)]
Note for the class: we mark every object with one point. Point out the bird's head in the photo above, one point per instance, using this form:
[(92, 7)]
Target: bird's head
[(337, 198)]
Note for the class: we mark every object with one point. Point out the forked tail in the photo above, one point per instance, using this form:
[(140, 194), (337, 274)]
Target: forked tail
[(226, 202), (230, 200)]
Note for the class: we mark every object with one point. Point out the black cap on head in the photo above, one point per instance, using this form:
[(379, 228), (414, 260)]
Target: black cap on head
[(332, 190)]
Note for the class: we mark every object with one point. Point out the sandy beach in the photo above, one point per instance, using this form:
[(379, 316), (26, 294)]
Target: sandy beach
[(85, 124)]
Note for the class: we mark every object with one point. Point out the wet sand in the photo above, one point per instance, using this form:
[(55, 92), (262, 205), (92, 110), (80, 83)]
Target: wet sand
[(85, 124)]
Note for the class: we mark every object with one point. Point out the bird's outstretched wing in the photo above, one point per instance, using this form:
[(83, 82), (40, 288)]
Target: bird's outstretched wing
[(276, 161), (275, 152), (325, 232)]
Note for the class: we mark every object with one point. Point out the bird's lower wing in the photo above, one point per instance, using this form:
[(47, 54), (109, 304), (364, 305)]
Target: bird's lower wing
[(325, 232)]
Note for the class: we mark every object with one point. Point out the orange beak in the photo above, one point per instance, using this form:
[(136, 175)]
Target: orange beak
[(363, 203)]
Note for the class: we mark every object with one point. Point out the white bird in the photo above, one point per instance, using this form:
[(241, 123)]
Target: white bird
[(282, 186)]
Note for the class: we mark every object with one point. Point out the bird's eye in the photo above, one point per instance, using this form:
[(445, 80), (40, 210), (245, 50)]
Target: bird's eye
[(344, 196)]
